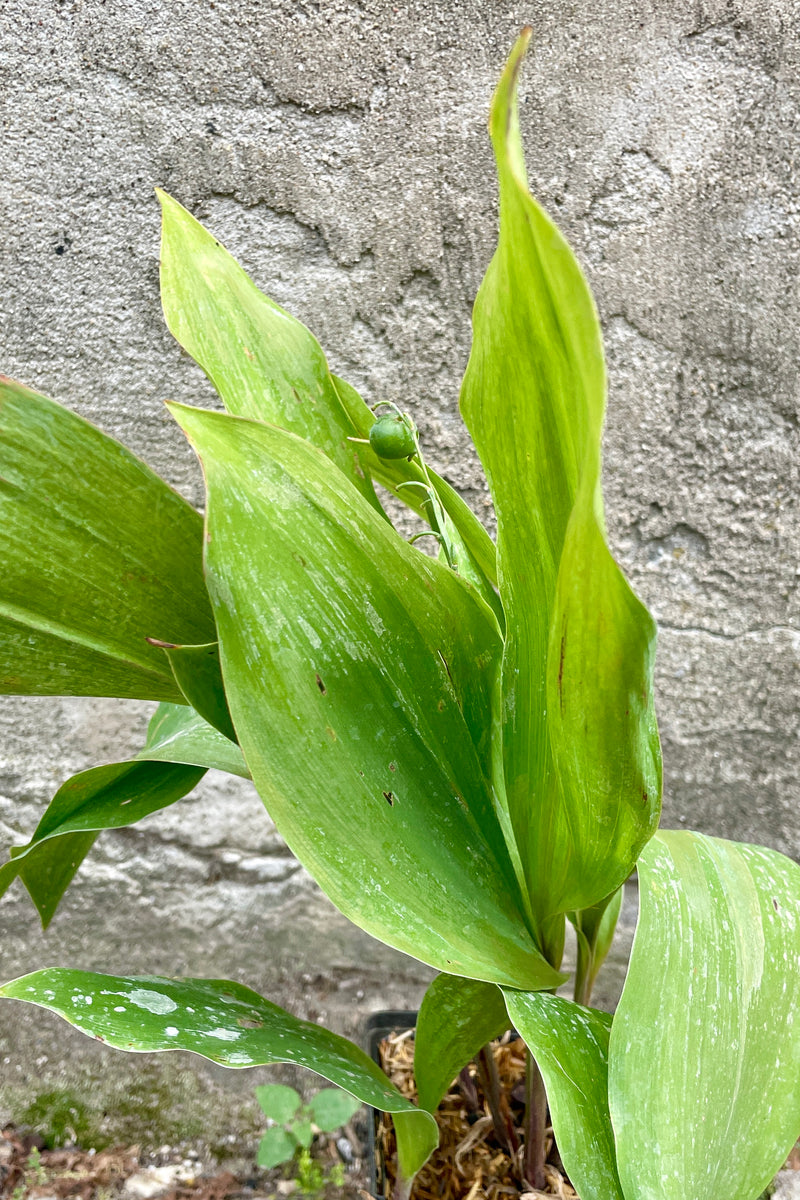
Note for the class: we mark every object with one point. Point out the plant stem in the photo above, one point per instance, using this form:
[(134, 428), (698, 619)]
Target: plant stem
[(584, 980), (535, 1126), (501, 1117)]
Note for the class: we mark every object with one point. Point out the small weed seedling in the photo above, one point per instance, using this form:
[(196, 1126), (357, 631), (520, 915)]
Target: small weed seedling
[(290, 1136)]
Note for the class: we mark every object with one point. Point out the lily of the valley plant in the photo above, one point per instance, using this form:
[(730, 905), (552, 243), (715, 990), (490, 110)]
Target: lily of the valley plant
[(462, 751)]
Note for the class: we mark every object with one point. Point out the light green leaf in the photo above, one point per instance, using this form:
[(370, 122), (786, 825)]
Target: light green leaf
[(359, 675), (276, 1146), (570, 1045), (278, 1102), (101, 798), (457, 1017), (704, 1073), (303, 1133), (580, 746), (331, 1108), (178, 734), (98, 555), (198, 674), (227, 1023), (263, 362)]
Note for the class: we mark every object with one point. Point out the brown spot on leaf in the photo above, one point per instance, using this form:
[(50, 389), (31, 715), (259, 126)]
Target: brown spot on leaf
[(775, 904), (561, 668), (645, 797), (445, 664), (249, 1022), (297, 395), (321, 686), (440, 706), (392, 766), (249, 354), (389, 798), (331, 733)]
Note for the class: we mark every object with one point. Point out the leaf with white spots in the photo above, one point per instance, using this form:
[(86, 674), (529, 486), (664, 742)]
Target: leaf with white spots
[(570, 1045), (227, 1023), (704, 1068), (360, 676)]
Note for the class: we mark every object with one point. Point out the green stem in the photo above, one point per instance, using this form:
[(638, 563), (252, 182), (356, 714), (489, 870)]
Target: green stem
[(584, 972)]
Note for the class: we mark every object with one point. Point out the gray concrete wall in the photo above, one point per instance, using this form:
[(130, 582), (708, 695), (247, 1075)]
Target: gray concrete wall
[(339, 149)]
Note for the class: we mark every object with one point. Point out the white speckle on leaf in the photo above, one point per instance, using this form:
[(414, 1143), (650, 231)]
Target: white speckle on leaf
[(154, 1002), (224, 1035), (171, 1031)]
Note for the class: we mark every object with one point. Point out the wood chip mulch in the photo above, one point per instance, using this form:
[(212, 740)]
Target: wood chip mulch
[(469, 1163)]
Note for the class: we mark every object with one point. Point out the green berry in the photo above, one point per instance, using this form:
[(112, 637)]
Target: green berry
[(393, 437)]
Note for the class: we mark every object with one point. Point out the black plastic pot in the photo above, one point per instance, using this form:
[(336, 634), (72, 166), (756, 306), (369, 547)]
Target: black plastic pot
[(376, 1027)]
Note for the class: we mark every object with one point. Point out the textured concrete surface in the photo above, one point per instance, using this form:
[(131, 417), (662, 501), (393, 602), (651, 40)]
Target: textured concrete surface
[(339, 149)]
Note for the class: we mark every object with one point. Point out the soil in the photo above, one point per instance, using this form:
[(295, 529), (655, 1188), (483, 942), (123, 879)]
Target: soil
[(470, 1163), (31, 1171)]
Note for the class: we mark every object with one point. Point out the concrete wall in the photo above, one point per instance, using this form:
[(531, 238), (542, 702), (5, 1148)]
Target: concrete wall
[(339, 149)]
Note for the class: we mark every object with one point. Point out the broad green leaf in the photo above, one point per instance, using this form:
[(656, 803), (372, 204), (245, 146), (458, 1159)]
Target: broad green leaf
[(198, 674), (263, 362), (359, 675), (331, 1108), (580, 746), (101, 798), (178, 734), (276, 1146), (227, 1023), (704, 1069), (98, 555), (570, 1045), (457, 1017), (278, 1102)]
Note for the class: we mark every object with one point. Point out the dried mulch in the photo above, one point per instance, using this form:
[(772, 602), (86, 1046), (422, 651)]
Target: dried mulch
[(469, 1164)]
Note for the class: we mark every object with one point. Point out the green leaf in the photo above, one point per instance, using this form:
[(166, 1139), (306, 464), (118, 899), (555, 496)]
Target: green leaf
[(227, 1023), (277, 1146), (705, 1049), (580, 746), (359, 675), (178, 742), (98, 555), (570, 1045), (457, 1017), (178, 734), (279, 1102), (264, 364), (331, 1108), (101, 798), (198, 674)]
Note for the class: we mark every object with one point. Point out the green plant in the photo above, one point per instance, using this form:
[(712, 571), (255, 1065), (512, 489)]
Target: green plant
[(289, 1138), (463, 752)]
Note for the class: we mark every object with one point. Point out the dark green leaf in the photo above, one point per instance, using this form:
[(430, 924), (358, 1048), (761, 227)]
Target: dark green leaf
[(457, 1017), (227, 1023), (570, 1045), (359, 675), (98, 555), (262, 361), (101, 798), (199, 676), (705, 1049), (580, 746)]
